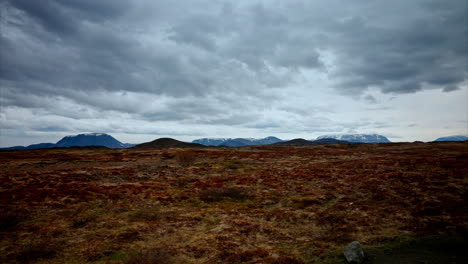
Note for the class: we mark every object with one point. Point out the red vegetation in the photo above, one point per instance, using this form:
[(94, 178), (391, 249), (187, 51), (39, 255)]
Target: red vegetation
[(245, 205)]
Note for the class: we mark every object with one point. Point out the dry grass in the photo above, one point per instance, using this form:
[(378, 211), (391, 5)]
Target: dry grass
[(218, 194), (186, 158), (159, 256), (246, 205)]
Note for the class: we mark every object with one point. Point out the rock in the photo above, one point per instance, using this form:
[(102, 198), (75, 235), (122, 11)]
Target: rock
[(353, 253)]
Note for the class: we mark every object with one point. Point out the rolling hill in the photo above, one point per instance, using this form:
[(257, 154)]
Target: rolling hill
[(161, 143)]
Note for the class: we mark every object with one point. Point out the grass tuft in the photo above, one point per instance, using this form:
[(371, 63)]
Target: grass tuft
[(33, 251), (159, 256), (219, 194)]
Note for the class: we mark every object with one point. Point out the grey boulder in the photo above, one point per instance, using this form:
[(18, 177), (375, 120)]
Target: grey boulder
[(353, 253)]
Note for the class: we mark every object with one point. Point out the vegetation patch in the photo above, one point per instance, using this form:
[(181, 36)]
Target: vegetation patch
[(218, 194), (159, 256), (261, 204)]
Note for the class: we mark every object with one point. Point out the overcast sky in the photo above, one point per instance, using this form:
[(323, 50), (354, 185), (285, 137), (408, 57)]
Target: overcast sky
[(145, 69)]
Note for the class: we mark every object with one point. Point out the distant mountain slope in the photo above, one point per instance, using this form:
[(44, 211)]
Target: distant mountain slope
[(331, 141), (359, 138), (34, 146), (167, 143), (80, 140), (90, 139), (236, 142), (303, 142), (294, 142), (453, 138)]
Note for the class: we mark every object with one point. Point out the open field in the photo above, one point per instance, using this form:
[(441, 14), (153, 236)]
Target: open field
[(269, 204)]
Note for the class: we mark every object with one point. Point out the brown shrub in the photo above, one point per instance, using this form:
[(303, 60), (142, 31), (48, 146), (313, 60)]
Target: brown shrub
[(336, 225), (224, 193), (33, 251), (11, 219), (186, 158), (166, 155), (147, 213), (159, 256), (284, 260), (82, 220), (151, 213), (127, 236)]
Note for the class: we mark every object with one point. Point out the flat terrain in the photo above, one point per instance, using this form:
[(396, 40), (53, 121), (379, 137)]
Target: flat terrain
[(269, 204)]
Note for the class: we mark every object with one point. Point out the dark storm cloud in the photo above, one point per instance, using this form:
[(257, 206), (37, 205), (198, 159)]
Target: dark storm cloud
[(234, 52), (64, 17), (402, 58)]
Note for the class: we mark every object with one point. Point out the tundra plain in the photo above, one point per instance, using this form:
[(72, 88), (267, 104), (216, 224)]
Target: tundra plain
[(265, 204)]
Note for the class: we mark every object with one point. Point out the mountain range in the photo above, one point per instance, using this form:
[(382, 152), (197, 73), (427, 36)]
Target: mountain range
[(101, 139), (452, 138), (303, 142), (236, 142), (80, 140), (358, 138)]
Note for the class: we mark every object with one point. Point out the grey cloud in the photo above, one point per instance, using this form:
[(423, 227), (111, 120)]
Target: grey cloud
[(65, 17), (370, 99), (48, 13), (200, 48), (430, 49), (218, 62)]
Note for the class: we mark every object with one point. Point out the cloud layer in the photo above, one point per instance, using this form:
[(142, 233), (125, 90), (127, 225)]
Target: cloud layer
[(239, 64)]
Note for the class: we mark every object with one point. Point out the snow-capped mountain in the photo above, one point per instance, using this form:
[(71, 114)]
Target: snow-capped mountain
[(236, 142), (358, 138), (453, 138)]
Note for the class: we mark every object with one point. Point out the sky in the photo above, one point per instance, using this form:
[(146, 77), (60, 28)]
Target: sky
[(144, 69)]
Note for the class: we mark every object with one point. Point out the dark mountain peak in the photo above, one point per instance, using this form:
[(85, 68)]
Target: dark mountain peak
[(80, 140), (167, 143), (295, 142), (303, 142), (90, 139)]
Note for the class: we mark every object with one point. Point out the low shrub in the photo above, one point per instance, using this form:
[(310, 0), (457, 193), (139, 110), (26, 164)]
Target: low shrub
[(159, 256), (186, 158), (80, 221), (152, 213), (147, 213), (224, 193), (11, 219), (33, 251), (284, 260)]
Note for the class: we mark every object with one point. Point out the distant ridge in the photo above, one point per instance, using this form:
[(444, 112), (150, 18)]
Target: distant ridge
[(303, 142), (161, 143), (294, 142), (236, 142), (358, 138), (80, 140), (331, 141), (33, 146), (452, 138)]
